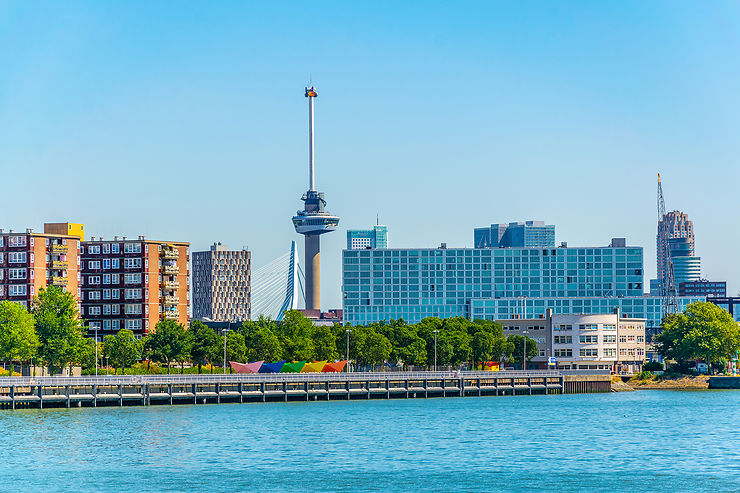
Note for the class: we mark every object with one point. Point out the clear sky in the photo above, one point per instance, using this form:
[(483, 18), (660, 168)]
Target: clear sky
[(187, 121)]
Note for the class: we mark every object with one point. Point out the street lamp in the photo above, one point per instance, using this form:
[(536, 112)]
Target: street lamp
[(348, 331), (524, 349), (435, 349), (225, 331), (96, 350)]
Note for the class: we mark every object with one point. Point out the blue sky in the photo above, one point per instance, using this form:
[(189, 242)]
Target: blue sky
[(187, 121)]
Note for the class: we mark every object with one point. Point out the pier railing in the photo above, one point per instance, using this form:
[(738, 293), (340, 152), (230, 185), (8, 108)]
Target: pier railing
[(269, 377)]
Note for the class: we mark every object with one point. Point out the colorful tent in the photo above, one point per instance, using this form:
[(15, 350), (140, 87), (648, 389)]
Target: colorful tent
[(272, 367), (334, 367), (246, 368), (294, 367), (314, 367)]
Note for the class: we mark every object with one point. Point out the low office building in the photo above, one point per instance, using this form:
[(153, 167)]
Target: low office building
[(222, 284), (703, 288), (133, 284), (30, 261), (584, 341), (531, 234)]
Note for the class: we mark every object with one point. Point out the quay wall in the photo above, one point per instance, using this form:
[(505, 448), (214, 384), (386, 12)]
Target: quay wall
[(145, 390)]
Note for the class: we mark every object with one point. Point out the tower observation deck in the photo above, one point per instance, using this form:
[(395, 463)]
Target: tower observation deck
[(313, 220)]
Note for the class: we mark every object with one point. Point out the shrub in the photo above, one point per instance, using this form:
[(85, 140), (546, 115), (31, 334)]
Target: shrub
[(652, 366), (644, 375)]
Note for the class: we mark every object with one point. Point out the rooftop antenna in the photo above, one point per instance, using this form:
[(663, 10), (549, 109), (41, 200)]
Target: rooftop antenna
[(377, 219)]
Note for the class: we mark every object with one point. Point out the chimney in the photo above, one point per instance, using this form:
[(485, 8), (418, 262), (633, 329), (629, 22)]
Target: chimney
[(115, 238), (142, 237), (29, 230), (92, 238), (124, 238)]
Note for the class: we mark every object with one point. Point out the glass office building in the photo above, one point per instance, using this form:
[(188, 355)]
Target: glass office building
[(362, 239), (416, 283), (530, 234)]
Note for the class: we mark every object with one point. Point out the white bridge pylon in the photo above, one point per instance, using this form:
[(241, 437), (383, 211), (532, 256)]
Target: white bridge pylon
[(277, 286)]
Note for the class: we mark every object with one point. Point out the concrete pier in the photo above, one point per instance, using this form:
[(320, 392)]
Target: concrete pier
[(145, 390)]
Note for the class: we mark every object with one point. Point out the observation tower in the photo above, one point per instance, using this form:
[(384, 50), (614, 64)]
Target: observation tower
[(313, 220)]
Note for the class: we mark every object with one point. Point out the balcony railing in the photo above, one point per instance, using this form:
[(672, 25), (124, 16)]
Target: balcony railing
[(59, 264), (58, 248), (170, 269), (171, 300), (170, 284), (171, 314), (58, 281), (170, 254)]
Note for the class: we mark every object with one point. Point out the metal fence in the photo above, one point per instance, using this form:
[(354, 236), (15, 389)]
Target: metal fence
[(273, 377)]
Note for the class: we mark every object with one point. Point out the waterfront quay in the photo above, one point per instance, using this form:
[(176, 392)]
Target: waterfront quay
[(145, 390)]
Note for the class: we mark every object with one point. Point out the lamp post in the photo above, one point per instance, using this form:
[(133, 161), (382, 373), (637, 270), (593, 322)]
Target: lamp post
[(524, 349), (348, 331), (96, 350), (435, 349), (225, 331)]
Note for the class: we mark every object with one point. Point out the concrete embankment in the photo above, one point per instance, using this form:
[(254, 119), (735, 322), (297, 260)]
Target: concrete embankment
[(700, 382), (148, 390), (724, 382)]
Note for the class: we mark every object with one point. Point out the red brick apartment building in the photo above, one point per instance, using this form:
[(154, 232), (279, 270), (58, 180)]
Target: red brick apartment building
[(133, 284), (30, 261)]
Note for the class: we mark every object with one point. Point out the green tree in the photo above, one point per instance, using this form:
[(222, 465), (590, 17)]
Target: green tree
[(168, 343), (58, 327), (324, 343), (261, 341), (18, 340), (294, 334), (202, 341), (518, 347), (368, 347), (236, 349), (123, 349), (703, 331)]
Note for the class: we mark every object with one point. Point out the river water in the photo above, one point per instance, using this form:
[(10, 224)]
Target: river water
[(636, 441)]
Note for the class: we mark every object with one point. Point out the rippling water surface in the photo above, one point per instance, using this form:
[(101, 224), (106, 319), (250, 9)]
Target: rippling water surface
[(637, 441)]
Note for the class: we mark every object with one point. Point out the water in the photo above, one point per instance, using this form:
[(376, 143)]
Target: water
[(636, 441)]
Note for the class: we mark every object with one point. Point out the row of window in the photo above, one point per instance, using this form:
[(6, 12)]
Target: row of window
[(112, 248), (129, 309), (134, 325)]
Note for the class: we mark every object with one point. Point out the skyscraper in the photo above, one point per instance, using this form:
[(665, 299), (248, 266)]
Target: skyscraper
[(313, 220), (674, 224), (359, 239), (530, 234), (222, 284)]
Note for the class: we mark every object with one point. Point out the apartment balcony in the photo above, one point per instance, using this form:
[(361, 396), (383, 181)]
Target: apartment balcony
[(171, 300), (170, 284), (58, 281), (59, 264), (171, 254), (171, 314), (58, 248), (170, 269)]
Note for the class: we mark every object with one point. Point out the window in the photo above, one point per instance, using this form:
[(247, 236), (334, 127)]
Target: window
[(93, 295), (94, 325), (115, 278), (589, 339), (589, 353), (132, 263), (542, 353), (106, 247), (106, 278), (640, 338), (133, 324), (630, 338), (93, 279), (563, 327), (132, 278), (106, 294), (93, 310), (115, 294), (610, 352), (610, 339), (17, 257), (115, 309), (115, 263), (93, 249), (15, 274), (132, 248), (563, 339), (609, 327), (114, 248), (132, 294), (106, 263), (589, 327), (106, 309), (93, 264), (17, 290), (16, 241), (133, 309), (563, 353)]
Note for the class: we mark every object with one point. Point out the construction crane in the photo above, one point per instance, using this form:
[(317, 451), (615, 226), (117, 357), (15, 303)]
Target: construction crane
[(668, 294)]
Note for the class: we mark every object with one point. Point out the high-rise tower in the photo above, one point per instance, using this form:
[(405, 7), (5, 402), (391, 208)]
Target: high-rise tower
[(313, 220)]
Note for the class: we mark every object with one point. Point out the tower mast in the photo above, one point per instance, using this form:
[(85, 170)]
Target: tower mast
[(668, 294)]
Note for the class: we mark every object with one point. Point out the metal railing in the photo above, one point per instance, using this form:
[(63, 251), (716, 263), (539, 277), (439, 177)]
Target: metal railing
[(268, 378)]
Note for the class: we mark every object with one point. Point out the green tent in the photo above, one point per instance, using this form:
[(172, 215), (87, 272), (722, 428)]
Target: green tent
[(293, 367)]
